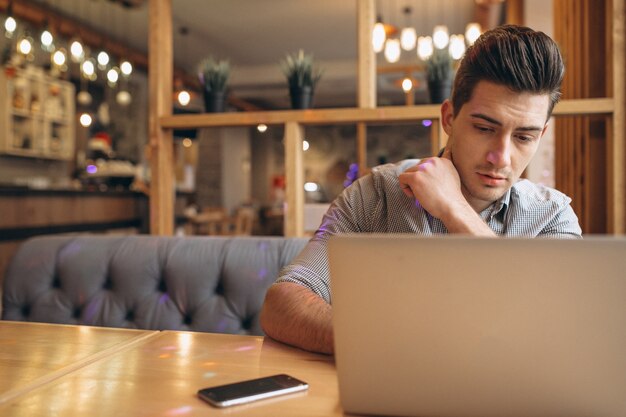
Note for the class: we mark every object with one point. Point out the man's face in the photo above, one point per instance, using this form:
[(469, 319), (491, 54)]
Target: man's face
[(493, 138)]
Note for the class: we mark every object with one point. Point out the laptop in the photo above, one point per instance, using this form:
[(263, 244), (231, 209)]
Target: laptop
[(460, 326)]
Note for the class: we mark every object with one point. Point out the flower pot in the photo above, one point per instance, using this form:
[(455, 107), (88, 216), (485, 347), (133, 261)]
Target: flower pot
[(214, 101), (439, 90), (301, 98)]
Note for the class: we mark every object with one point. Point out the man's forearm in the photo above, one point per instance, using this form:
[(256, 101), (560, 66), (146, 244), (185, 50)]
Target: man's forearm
[(464, 220), (295, 315)]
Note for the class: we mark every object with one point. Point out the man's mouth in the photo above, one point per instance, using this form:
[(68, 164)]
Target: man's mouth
[(491, 179)]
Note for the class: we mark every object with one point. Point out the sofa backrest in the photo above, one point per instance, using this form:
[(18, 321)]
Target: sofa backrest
[(211, 284)]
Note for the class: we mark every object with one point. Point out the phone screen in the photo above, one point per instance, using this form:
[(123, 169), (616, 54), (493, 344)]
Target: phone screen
[(251, 390)]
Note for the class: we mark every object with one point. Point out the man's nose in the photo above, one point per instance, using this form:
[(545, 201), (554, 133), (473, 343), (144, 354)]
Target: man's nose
[(500, 153)]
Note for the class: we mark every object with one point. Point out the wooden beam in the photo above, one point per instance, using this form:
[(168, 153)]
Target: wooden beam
[(162, 191), (616, 146), (294, 180), (387, 114)]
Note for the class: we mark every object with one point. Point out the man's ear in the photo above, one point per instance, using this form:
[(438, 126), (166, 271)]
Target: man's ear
[(447, 116)]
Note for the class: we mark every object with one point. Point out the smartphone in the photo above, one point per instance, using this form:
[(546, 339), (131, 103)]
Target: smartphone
[(251, 390)]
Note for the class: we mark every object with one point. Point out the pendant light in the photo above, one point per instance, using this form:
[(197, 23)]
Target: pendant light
[(408, 36)]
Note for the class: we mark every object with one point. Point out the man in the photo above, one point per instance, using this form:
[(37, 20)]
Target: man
[(503, 96)]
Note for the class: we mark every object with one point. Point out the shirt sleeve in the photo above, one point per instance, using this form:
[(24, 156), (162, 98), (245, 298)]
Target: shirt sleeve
[(349, 213), (564, 225)]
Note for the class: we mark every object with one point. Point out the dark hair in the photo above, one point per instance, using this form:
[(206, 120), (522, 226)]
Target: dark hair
[(517, 57)]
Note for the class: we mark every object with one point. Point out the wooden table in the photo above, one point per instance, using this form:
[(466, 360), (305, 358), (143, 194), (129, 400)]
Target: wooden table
[(160, 374)]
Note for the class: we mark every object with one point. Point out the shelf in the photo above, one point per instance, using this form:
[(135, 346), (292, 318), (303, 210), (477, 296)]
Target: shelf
[(387, 114)]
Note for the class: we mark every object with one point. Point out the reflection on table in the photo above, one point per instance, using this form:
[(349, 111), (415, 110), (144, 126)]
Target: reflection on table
[(161, 375)]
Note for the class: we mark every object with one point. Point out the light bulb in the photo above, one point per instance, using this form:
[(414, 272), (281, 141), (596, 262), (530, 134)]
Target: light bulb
[(103, 60), (59, 58), (261, 127), (310, 187), (472, 32), (425, 47), (457, 46), (392, 50), (408, 38), (126, 68), (305, 145), (88, 68), (77, 51), (46, 39), (184, 98), (10, 25), (24, 46), (407, 85), (123, 98), (85, 120), (440, 36), (378, 37), (113, 75), (187, 143)]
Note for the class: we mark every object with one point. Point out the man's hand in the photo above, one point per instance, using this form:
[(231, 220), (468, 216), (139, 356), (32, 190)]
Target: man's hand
[(435, 183)]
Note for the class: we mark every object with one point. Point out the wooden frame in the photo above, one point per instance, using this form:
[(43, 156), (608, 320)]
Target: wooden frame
[(161, 120)]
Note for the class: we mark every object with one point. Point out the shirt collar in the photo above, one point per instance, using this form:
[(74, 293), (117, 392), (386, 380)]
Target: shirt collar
[(501, 204)]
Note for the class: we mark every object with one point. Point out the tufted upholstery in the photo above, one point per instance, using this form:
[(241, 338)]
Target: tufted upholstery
[(211, 284)]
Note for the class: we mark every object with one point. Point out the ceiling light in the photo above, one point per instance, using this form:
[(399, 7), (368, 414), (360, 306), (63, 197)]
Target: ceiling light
[(46, 40), (77, 51), (378, 35), (305, 145), (123, 98), (440, 36), (88, 68), (392, 50), (472, 32), (408, 38), (10, 25), (113, 75), (424, 47), (59, 58), (126, 68), (457, 46), (25, 46), (187, 143), (85, 120), (261, 127), (103, 60)]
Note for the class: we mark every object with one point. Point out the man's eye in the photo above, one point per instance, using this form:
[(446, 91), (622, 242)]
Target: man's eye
[(524, 138), (483, 128)]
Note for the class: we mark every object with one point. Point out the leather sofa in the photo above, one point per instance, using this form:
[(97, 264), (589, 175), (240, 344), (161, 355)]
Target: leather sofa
[(209, 284)]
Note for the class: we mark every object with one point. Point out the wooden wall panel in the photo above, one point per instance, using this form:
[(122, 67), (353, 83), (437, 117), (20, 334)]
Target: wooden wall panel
[(581, 141)]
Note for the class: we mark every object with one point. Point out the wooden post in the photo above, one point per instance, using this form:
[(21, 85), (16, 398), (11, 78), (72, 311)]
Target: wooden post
[(366, 92), (361, 147), (366, 88), (160, 61), (294, 178), (616, 147)]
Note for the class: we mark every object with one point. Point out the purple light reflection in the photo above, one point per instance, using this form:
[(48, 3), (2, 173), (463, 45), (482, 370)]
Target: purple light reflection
[(427, 123), (186, 409), (91, 169)]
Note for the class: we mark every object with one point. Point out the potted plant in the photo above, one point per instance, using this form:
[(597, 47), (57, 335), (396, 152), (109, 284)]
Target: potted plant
[(301, 78), (439, 73), (213, 77)]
